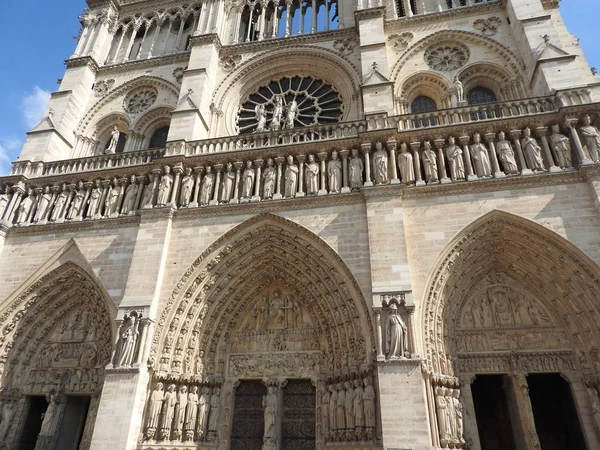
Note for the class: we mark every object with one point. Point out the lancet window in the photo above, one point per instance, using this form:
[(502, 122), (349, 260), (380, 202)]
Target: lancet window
[(258, 21)]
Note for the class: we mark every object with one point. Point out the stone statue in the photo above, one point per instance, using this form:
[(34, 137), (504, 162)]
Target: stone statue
[(59, 204), (261, 118), (458, 416), (443, 416), (277, 113), (114, 141), (191, 413), (405, 163), (248, 180), (130, 196), (356, 170), (591, 136), (203, 412), (325, 399), (594, 399), (349, 407), (227, 184), (291, 178), (77, 203), (369, 403), (128, 339), (187, 187), (269, 403), (8, 412), (334, 170), (169, 402), (312, 175), (455, 159), (430, 163), (25, 207), (112, 200), (43, 205), (396, 334), (51, 422), (292, 114), (182, 401), (460, 90), (94, 207), (506, 155), (562, 147), (269, 178), (164, 188), (532, 151), (332, 408), (358, 405), (479, 152), (380, 164), (148, 196), (340, 408), (215, 406), (207, 186)]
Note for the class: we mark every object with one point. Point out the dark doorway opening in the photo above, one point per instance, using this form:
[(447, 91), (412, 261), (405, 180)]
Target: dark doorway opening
[(33, 422), (556, 420), (248, 416), (298, 423), (491, 411), (73, 423)]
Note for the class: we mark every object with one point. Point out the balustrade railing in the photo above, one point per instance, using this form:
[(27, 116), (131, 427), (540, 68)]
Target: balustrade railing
[(409, 8)]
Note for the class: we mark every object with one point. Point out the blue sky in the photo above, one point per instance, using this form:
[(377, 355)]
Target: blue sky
[(37, 36)]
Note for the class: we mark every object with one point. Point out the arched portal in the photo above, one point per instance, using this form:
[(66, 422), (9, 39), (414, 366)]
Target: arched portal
[(268, 302), (56, 340), (512, 300)]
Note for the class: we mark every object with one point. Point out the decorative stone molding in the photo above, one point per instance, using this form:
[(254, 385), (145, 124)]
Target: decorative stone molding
[(400, 41), (102, 87), (140, 99), (345, 46), (229, 63), (489, 26), (447, 57), (178, 73)]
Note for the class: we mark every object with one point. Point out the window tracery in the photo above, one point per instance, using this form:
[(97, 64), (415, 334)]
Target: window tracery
[(159, 138), (446, 57), (480, 95), (423, 104), (139, 100)]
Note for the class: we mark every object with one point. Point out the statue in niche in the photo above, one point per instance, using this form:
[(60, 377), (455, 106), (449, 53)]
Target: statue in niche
[(207, 186), (396, 334), (591, 136), (324, 411), (349, 407), (340, 408), (269, 403), (130, 196), (129, 333), (292, 114), (380, 164), (506, 154), (187, 186), (148, 196), (532, 151), (77, 203), (312, 175), (112, 199), (537, 315), (502, 307), (169, 402), (269, 176), (215, 406), (291, 178), (114, 140), (182, 401), (8, 412), (277, 113), (358, 407), (43, 204), (455, 158), (451, 416), (369, 404), (334, 170), (479, 152), (227, 184), (405, 163), (430, 163), (458, 417), (261, 118), (203, 410), (164, 188), (443, 416), (51, 422), (191, 413), (25, 207), (460, 91), (332, 409), (248, 180), (356, 170), (562, 147), (94, 208), (59, 204)]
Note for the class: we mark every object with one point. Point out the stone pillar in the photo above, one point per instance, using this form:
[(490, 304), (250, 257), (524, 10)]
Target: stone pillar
[(177, 170), (18, 191), (279, 160), (322, 185), (520, 391), (415, 146), (583, 160), (391, 145), (236, 186), (471, 432), (215, 200), (123, 183), (366, 149), (345, 186), (489, 138), (258, 177), (301, 159), (515, 135), (442, 174), (140, 180), (106, 186), (464, 141), (380, 353), (542, 132), (198, 170)]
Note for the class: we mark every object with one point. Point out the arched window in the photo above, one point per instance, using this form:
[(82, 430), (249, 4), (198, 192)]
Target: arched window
[(480, 95), (422, 104), (159, 138)]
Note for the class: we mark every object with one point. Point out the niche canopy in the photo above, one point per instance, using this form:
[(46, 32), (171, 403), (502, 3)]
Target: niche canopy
[(290, 102)]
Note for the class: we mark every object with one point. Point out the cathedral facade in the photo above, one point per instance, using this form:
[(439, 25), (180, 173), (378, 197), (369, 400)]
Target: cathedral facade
[(307, 224)]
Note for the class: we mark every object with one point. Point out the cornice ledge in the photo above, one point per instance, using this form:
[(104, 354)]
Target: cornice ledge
[(257, 46), (157, 212), (203, 39), (370, 13), (389, 190), (96, 224), (121, 370), (416, 361), (152, 62), (83, 61)]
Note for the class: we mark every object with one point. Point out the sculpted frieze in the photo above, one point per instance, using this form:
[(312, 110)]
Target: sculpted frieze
[(284, 364)]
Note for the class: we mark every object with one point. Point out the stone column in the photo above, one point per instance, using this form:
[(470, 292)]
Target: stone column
[(279, 161), (471, 432), (215, 200), (391, 145), (515, 135), (144, 325), (542, 132), (18, 191), (301, 159), (520, 391), (236, 187), (442, 174), (570, 123), (123, 183), (198, 170), (323, 184), (258, 177), (61, 217), (489, 138), (177, 170), (464, 141), (366, 149), (106, 185), (140, 180), (345, 187), (380, 353), (415, 146)]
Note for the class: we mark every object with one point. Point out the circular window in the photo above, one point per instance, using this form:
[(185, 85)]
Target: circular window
[(290, 102), (446, 57), (139, 100)]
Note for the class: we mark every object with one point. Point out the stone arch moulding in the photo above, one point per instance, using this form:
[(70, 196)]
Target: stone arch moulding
[(429, 84), (259, 70), (167, 97), (219, 289), (505, 55), (560, 276), (488, 75)]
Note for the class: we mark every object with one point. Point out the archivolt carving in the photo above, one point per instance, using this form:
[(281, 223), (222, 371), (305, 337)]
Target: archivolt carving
[(429, 84), (491, 76), (501, 250), (212, 300), (152, 119)]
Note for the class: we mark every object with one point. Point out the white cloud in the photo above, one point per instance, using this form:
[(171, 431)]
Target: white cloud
[(9, 150), (33, 106)]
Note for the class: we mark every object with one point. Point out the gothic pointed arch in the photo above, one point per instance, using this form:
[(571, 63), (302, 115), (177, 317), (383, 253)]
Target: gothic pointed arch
[(506, 295)]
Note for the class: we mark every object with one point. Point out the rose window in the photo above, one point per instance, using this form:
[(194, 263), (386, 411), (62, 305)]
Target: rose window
[(290, 102), (446, 57), (140, 100)]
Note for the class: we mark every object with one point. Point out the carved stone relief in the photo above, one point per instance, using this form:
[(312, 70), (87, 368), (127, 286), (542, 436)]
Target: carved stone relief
[(102, 87), (229, 63), (345, 46), (400, 41), (489, 26)]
